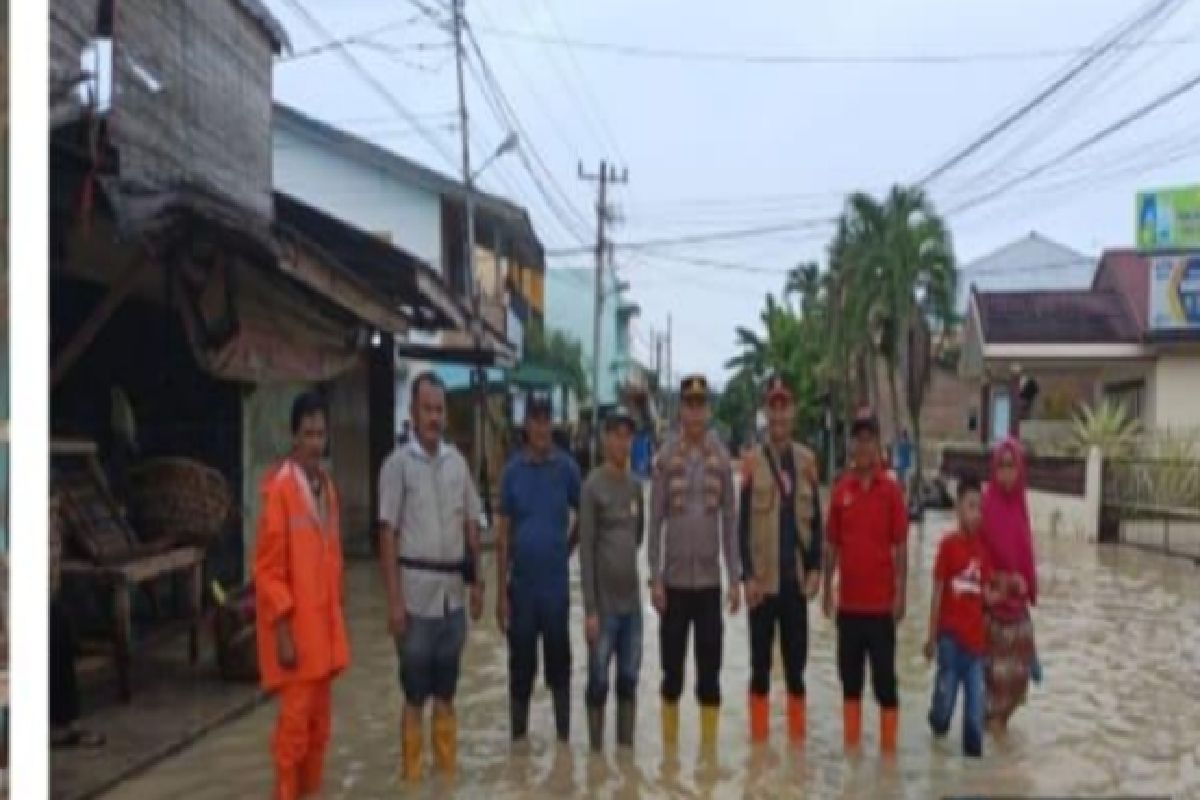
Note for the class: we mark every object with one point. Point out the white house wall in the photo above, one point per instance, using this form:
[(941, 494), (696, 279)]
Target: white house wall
[(359, 195), (1177, 391)]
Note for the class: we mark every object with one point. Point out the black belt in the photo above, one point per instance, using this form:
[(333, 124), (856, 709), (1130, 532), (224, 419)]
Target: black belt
[(446, 567)]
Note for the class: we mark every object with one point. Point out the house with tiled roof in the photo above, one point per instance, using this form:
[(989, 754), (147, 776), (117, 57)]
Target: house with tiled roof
[(1132, 336)]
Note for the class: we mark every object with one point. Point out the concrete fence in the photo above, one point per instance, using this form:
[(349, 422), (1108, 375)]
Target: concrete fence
[(1065, 494)]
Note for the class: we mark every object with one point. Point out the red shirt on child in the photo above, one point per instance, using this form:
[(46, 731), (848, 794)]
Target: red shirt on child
[(963, 569)]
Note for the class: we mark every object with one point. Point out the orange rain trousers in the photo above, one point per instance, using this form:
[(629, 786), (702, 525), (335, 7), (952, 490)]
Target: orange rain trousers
[(298, 577)]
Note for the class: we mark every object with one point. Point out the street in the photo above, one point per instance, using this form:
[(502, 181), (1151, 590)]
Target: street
[(1117, 711)]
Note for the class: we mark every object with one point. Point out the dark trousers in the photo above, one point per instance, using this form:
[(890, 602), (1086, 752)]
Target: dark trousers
[(686, 609), (787, 611), (64, 691), (532, 617), (863, 638)]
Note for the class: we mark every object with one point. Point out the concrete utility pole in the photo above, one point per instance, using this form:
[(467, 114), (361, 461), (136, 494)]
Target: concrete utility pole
[(607, 174), (470, 284)]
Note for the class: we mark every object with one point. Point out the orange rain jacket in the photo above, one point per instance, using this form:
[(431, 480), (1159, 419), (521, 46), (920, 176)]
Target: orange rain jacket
[(298, 574)]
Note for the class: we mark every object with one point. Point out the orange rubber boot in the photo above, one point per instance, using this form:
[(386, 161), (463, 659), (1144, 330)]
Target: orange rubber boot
[(889, 728), (287, 786), (797, 718), (760, 717), (851, 723)]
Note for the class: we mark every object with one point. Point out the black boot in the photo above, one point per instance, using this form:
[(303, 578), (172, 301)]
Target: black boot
[(596, 727), (562, 713), (626, 712), (518, 711)]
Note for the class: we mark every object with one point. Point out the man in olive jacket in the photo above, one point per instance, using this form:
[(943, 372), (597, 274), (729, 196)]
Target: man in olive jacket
[(780, 535)]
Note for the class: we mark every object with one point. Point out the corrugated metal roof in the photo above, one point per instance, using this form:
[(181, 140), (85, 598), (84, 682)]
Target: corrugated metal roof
[(1065, 317)]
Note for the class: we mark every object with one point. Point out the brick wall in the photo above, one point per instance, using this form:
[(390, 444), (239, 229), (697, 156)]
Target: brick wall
[(949, 402)]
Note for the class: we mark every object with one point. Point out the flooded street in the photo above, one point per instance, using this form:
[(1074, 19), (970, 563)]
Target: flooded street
[(1119, 632)]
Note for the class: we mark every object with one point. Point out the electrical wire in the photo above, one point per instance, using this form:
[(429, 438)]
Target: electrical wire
[(1065, 108), (1129, 119), (372, 82), (357, 38), (1094, 54), (569, 215), (712, 236), (718, 56)]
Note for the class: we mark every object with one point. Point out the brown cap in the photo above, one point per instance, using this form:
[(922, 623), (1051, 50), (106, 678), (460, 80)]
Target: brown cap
[(865, 420), (777, 389), (694, 386)]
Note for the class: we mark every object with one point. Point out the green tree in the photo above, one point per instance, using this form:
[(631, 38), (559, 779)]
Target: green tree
[(559, 351), (737, 406), (791, 343), (899, 257)]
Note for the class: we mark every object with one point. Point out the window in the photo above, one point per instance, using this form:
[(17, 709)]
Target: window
[(1131, 395)]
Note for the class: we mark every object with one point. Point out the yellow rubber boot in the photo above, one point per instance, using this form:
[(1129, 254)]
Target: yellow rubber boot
[(445, 741), (710, 717), (411, 741), (670, 724)]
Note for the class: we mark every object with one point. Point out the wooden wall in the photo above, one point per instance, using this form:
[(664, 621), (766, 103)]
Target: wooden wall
[(209, 120)]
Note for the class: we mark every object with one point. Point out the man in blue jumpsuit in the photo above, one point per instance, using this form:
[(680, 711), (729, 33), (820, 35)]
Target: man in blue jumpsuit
[(535, 535)]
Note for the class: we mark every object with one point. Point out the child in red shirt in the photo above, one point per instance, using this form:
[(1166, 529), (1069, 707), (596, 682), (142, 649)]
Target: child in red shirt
[(962, 587)]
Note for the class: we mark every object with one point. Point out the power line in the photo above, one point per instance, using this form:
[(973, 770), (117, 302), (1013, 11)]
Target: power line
[(1064, 107), (371, 81), (726, 56), (589, 95), (552, 203), (1145, 110), (1093, 54), (508, 115), (357, 38), (712, 236)]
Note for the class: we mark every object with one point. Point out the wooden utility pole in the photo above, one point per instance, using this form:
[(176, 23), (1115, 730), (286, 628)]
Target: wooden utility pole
[(607, 174)]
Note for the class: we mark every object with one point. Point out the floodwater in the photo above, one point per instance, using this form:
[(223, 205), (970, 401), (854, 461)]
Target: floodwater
[(1119, 712)]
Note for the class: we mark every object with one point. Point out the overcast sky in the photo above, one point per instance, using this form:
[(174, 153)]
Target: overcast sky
[(720, 145)]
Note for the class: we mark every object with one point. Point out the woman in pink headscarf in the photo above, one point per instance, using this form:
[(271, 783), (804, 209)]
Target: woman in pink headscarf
[(1008, 536)]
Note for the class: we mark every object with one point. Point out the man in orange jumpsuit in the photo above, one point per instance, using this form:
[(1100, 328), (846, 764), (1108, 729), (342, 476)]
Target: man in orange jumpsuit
[(302, 642)]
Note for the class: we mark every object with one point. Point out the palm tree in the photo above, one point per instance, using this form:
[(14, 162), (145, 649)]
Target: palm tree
[(900, 259)]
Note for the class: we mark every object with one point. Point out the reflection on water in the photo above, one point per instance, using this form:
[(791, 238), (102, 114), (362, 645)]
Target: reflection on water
[(1120, 644)]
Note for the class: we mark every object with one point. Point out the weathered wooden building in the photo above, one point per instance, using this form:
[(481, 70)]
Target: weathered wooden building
[(173, 276)]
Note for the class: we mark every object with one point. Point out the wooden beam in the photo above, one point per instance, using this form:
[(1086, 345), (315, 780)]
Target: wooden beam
[(91, 327), (355, 296)]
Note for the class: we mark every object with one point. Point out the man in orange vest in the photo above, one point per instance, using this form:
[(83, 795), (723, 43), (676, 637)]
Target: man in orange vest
[(302, 643)]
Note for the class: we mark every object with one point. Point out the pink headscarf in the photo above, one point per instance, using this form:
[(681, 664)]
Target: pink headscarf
[(1007, 532)]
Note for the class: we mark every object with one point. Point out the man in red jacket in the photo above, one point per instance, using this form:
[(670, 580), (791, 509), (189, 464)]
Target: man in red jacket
[(302, 644), (866, 542)]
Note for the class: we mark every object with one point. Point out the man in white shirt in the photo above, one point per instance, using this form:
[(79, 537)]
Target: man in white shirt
[(429, 511)]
